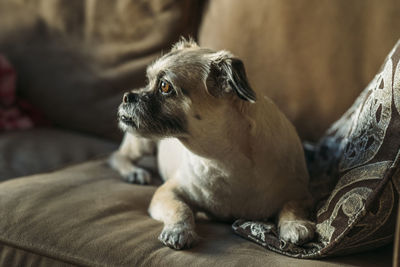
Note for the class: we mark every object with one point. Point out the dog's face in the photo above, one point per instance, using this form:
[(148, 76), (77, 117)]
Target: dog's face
[(185, 89)]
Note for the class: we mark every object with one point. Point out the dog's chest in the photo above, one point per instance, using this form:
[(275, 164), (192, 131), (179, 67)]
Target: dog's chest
[(176, 161), (208, 186)]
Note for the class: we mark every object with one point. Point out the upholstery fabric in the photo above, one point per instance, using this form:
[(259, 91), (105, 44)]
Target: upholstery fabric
[(15, 113), (85, 215), (12, 256), (312, 57), (46, 149), (360, 156), (396, 251), (76, 58)]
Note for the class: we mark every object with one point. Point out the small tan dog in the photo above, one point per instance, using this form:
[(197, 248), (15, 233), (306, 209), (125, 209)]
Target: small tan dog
[(219, 151)]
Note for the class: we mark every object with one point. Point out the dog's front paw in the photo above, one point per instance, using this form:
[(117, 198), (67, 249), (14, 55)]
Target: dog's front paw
[(138, 176), (297, 232), (178, 236)]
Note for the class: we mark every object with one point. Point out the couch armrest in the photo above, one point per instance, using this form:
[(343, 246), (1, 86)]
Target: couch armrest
[(396, 252)]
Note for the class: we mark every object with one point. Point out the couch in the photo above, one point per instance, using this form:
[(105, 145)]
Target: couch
[(60, 203)]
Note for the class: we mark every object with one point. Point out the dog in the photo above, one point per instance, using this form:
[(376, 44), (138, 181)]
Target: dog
[(219, 150)]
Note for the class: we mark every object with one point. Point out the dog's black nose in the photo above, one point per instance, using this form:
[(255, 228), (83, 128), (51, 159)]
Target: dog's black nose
[(130, 97)]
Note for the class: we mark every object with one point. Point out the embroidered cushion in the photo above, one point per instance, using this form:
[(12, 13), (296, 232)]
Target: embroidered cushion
[(354, 173)]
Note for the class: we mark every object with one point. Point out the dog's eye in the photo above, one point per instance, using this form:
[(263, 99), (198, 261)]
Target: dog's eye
[(165, 88)]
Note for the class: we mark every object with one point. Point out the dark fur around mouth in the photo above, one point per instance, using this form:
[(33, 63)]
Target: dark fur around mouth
[(152, 115), (129, 121)]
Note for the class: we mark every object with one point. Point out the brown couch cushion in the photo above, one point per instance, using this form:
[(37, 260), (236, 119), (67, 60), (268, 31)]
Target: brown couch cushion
[(312, 57), (46, 149), (360, 153), (74, 59), (85, 215)]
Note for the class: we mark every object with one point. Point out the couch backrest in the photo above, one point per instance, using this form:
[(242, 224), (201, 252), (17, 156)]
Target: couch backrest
[(312, 57), (75, 58)]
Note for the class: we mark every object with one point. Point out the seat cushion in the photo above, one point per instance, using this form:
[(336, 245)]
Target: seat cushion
[(85, 215), (46, 149)]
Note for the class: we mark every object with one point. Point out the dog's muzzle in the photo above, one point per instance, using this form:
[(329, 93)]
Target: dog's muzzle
[(127, 120), (130, 97), (125, 114)]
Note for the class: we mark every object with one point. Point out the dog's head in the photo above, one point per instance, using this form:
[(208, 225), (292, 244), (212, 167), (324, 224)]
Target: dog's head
[(186, 88)]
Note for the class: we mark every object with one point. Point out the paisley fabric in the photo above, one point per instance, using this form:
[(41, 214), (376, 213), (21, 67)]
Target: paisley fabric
[(355, 176)]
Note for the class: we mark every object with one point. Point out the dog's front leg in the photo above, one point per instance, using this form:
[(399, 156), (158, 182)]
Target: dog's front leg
[(178, 218), (294, 225), (123, 160)]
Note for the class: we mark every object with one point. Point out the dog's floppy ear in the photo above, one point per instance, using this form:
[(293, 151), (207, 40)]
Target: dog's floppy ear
[(227, 73)]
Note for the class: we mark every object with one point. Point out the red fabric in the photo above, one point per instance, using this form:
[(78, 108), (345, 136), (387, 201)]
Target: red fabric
[(15, 114)]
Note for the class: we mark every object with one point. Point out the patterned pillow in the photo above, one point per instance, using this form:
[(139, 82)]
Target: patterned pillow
[(355, 176)]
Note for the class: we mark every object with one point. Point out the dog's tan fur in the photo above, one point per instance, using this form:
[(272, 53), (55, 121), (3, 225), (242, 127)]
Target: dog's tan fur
[(235, 159)]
